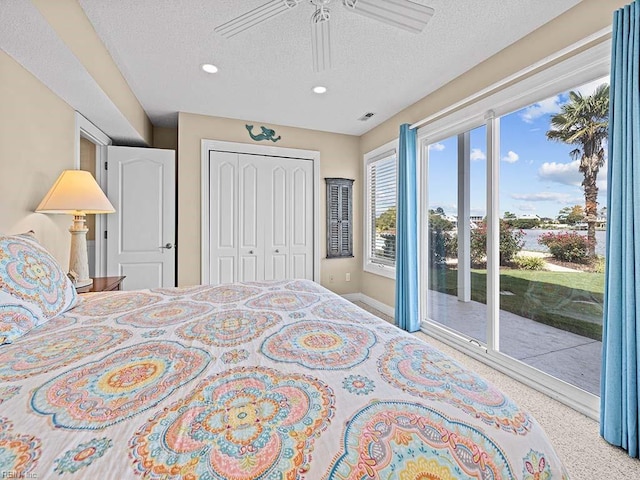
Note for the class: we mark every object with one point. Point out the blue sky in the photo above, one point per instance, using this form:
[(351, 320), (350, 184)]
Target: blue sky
[(537, 176)]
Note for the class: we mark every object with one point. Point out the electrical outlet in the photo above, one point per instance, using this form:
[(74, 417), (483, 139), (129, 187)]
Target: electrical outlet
[(331, 278), (347, 277)]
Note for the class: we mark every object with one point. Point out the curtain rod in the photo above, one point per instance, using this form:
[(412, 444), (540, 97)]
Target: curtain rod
[(599, 35)]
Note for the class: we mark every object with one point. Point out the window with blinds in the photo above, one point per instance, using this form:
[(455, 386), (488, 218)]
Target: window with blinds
[(381, 210), (339, 217)]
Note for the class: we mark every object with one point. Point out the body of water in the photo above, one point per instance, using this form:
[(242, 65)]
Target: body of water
[(531, 239)]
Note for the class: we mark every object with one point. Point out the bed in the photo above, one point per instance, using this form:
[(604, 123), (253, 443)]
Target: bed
[(271, 380)]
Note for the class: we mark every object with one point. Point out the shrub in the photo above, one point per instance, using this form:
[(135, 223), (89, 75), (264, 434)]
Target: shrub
[(443, 245), (529, 263), (599, 264), (568, 247), (525, 223), (511, 243)]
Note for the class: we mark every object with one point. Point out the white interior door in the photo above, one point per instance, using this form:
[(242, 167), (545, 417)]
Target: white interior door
[(141, 234)]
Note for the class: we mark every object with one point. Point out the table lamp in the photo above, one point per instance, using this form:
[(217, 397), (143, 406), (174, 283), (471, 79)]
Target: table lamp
[(77, 193)]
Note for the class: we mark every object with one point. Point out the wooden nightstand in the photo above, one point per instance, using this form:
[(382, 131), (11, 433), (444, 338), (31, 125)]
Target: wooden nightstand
[(103, 284)]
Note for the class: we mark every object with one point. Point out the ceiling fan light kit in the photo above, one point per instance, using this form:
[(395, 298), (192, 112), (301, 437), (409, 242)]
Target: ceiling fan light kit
[(209, 68), (404, 14)]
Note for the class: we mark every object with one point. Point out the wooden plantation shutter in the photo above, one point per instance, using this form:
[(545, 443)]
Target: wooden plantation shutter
[(339, 217)]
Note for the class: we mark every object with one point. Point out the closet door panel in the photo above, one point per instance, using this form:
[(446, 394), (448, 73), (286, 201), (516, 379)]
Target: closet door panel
[(301, 232), (251, 218), (277, 223), (226, 268), (299, 266), (223, 203), (279, 205)]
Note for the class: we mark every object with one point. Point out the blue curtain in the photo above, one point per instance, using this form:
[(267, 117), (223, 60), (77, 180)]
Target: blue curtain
[(406, 312), (621, 335)]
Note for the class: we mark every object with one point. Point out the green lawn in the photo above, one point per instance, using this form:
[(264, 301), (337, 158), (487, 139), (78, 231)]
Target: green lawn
[(571, 301)]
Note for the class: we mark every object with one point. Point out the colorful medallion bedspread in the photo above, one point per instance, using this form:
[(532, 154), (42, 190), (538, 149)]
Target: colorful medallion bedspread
[(274, 380)]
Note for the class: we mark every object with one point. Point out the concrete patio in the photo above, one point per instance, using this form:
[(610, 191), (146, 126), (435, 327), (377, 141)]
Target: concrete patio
[(565, 355)]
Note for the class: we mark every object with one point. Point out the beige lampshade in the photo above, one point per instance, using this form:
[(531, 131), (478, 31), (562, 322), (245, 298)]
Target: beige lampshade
[(75, 192)]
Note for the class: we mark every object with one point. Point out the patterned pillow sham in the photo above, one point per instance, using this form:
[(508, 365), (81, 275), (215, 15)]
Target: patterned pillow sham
[(15, 321), (30, 277)]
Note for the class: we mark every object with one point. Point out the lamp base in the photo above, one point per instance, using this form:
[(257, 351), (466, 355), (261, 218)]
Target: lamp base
[(78, 258)]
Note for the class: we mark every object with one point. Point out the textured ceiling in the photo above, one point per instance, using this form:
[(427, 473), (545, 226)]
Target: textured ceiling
[(30, 40), (266, 72)]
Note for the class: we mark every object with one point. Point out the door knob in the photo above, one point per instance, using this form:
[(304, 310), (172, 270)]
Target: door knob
[(250, 252), (277, 251), (168, 246)]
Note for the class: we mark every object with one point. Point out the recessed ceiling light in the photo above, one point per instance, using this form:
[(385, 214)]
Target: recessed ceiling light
[(209, 68), (320, 89)]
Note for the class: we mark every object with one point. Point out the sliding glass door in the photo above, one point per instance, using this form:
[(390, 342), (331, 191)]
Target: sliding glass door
[(456, 210), (514, 211), (553, 183)]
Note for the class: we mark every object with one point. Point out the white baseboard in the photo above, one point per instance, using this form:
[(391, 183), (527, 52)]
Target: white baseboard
[(352, 297), (372, 302)]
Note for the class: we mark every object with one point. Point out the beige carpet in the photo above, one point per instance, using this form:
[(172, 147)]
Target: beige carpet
[(576, 437)]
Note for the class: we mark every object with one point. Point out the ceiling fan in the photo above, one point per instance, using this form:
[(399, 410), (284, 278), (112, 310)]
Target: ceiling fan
[(404, 14)]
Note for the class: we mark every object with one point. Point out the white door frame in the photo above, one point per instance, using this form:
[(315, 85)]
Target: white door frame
[(271, 151), (84, 128)]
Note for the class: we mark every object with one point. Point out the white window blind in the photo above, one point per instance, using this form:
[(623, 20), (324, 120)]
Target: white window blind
[(381, 187)]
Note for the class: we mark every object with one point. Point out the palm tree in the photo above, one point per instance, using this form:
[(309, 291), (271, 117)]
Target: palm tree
[(584, 122)]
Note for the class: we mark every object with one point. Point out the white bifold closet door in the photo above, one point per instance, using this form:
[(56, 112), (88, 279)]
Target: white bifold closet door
[(261, 225)]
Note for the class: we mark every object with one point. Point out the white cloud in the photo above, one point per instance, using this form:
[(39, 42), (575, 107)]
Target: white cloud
[(511, 157), (477, 154), (543, 197), (564, 173), (550, 105), (527, 207), (438, 147), (554, 104), (590, 88), (450, 208)]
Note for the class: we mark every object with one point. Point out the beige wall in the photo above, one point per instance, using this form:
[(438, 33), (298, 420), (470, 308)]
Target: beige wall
[(339, 157), (586, 18), (165, 138), (36, 144)]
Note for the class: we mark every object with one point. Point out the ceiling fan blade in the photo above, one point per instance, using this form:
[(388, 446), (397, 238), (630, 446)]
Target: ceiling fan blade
[(254, 17), (399, 13), (321, 40)]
